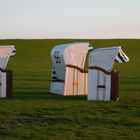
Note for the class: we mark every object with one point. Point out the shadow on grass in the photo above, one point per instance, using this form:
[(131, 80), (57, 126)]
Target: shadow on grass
[(43, 95)]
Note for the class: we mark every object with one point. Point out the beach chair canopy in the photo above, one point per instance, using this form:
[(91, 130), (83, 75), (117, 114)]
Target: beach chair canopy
[(105, 57), (5, 53), (68, 54)]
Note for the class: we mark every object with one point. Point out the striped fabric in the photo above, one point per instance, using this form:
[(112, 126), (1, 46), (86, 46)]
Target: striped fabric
[(121, 57), (13, 52)]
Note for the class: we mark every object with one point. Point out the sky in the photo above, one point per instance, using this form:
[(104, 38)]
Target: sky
[(69, 19)]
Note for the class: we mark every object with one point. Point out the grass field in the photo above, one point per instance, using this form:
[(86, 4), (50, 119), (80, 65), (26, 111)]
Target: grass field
[(35, 114)]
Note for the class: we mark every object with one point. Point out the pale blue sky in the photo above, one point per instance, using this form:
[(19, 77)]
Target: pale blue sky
[(69, 18)]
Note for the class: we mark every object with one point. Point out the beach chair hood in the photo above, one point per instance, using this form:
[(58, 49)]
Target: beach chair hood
[(6, 52), (105, 57)]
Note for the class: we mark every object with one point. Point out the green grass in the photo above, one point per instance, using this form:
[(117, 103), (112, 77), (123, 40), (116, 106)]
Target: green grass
[(35, 114)]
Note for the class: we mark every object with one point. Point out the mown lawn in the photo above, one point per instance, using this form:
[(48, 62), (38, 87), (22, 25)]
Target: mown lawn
[(35, 114)]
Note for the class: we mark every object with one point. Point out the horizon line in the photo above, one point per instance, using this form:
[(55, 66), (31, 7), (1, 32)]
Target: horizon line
[(63, 38)]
